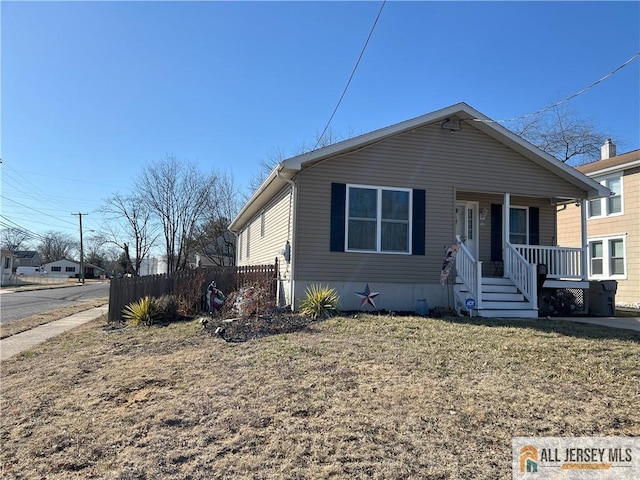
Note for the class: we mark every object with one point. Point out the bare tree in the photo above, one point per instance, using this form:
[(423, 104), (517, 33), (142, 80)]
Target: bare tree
[(277, 155), (94, 250), (13, 239), (562, 133), (56, 246), (130, 228), (178, 194)]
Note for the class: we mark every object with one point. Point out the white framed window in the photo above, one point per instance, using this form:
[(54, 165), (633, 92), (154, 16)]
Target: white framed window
[(378, 219), (612, 205), (262, 224), (607, 257), (248, 239), (518, 225)]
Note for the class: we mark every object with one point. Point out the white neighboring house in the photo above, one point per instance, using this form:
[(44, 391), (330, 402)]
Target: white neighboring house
[(70, 269), (8, 261), (62, 268)]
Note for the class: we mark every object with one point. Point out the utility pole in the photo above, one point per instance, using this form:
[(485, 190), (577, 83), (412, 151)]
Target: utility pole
[(81, 247)]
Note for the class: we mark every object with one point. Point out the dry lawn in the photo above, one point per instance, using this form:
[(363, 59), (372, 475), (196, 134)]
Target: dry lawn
[(367, 397), (24, 324)]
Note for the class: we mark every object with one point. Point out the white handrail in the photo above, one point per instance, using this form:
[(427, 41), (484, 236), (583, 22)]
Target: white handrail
[(469, 270), (522, 273), (561, 262)]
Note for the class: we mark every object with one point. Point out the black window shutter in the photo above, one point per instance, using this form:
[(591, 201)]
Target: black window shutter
[(338, 205), (534, 226), (496, 232), (419, 214)]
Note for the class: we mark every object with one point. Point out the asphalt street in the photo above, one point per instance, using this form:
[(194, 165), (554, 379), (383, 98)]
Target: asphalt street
[(21, 304)]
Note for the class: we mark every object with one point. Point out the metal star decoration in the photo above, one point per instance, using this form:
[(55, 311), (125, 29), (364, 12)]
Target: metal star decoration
[(367, 296)]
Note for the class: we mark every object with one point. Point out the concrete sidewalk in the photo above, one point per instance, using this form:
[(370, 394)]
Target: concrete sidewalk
[(20, 342), (626, 323)]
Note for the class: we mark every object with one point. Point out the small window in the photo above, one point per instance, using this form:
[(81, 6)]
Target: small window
[(614, 202), (248, 239), (607, 257), (616, 257), (7, 262), (56, 269), (596, 258), (612, 205), (262, 221), (69, 269), (240, 235)]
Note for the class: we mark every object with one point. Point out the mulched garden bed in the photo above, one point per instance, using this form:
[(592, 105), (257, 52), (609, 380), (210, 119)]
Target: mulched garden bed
[(237, 330)]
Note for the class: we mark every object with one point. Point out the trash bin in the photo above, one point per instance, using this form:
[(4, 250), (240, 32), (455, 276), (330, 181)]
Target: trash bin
[(542, 272), (602, 297)]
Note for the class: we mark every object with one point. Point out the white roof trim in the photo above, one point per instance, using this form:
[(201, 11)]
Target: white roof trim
[(614, 169), (288, 168)]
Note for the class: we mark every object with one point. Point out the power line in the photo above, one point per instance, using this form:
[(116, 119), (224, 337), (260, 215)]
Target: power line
[(565, 100), (353, 72)]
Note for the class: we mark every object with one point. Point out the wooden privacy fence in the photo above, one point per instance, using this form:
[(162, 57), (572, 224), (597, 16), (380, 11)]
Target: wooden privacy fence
[(228, 279)]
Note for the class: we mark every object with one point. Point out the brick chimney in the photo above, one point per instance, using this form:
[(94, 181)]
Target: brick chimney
[(607, 150)]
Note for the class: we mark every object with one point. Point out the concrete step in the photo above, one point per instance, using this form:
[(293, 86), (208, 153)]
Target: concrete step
[(506, 313), (502, 297)]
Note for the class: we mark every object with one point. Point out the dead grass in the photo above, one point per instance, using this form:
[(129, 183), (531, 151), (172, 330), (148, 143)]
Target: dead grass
[(366, 397), (24, 324)]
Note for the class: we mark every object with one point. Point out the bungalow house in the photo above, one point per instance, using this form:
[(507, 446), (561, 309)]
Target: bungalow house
[(71, 269), (374, 217), (613, 223), (27, 258)]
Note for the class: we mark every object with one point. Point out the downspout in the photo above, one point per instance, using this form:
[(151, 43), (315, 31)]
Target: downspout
[(290, 230)]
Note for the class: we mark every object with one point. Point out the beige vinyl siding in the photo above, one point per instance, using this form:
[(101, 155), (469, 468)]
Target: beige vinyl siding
[(626, 225), (263, 249), (427, 158)]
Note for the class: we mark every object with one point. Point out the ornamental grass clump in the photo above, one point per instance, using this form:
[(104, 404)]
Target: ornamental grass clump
[(145, 311), (320, 302)]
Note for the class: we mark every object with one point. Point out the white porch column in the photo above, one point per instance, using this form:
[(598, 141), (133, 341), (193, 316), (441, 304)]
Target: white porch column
[(506, 226), (583, 229)]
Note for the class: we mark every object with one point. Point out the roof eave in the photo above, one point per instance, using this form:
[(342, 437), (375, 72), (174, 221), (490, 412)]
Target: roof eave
[(270, 185)]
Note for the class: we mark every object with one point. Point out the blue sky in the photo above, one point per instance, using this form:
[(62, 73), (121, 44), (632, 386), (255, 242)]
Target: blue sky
[(93, 91)]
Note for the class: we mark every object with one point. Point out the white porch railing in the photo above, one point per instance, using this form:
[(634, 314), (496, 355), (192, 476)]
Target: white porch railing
[(561, 262), (469, 270), (522, 273)]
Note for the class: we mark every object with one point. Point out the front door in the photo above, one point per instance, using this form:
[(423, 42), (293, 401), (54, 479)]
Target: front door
[(467, 225)]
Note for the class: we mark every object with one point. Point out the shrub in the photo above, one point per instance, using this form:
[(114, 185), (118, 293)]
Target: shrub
[(320, 302), (143, 312), (169, 306)]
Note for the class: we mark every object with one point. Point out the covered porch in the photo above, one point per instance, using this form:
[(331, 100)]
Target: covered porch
[(508, 255)]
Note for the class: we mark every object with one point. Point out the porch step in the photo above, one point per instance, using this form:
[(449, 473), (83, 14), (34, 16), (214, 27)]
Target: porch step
[(506, 313), (500, 299), (502, 296)]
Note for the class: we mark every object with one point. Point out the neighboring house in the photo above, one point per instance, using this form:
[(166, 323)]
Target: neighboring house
[(71, 269), (373, 217), (8, 262), (613, 223), (27, 258)]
